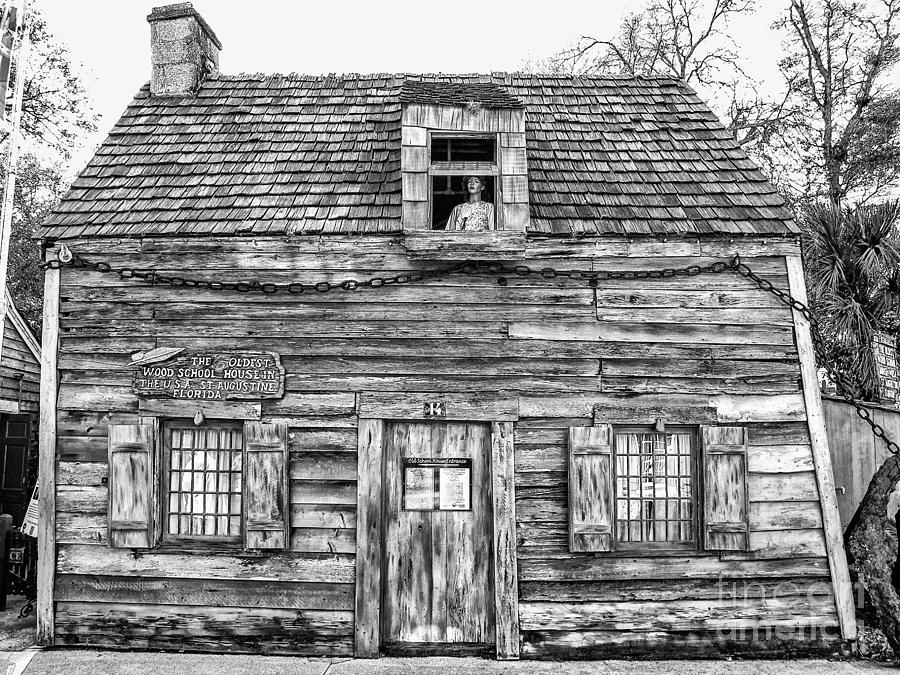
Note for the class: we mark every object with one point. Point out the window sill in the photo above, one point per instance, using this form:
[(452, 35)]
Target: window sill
[(201, 547), (661, 553), (442, 245)]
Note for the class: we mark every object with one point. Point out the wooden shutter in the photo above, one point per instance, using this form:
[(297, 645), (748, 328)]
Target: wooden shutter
[(131, 485), (726, 508), (266, 521), (590, 488)]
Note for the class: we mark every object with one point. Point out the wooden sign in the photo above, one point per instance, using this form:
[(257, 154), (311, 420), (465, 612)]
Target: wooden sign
[(170, 373)]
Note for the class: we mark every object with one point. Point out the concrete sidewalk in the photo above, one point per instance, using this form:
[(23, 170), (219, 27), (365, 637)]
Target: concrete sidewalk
[(89, 662)]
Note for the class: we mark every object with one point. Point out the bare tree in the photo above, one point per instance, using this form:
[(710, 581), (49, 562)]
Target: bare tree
[(842, 55), (676, 38), (56, 110), (687, 39)]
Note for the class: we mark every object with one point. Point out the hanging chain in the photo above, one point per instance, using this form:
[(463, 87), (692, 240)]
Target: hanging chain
[(843, 386), (593, 278), (502, 272)]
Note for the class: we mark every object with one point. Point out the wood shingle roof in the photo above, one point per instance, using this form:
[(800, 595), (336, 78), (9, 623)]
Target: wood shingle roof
[(302, 154)]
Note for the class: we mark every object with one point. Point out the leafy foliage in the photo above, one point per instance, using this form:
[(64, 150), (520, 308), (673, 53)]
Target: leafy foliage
[(852, 260), (56, 114), (38, 188)]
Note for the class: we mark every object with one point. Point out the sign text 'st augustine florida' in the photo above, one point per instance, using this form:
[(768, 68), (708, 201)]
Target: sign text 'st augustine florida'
[(209, 376)]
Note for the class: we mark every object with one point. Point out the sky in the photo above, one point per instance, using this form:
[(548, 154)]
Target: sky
[(110, 39)]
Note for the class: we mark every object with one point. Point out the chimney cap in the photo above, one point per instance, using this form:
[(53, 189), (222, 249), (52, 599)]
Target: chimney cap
[(178, 11)]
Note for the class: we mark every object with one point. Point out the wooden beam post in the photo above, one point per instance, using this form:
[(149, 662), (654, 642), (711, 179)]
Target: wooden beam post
[(506, 576), (834, 539), (369, 538), (5, 527), (46, 570)]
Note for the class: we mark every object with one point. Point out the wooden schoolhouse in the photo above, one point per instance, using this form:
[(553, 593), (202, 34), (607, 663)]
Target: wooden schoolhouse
[(286, 411)]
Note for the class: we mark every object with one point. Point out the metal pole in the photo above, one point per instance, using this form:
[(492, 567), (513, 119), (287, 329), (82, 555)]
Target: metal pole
[(12, 157), (5, 527)]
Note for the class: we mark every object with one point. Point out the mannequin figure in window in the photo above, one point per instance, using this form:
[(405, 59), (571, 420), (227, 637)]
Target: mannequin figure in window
[(474, 214)]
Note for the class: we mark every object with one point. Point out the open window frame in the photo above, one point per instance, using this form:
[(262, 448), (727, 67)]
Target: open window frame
[(444, 168), (511, 209)]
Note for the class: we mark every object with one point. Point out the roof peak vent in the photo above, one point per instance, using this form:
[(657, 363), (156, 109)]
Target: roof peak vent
[(184, 50)]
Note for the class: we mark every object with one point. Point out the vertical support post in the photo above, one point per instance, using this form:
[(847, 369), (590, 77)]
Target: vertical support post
[(834, 540), (506, 575), (5, 527), (369, 538), (46, 571)]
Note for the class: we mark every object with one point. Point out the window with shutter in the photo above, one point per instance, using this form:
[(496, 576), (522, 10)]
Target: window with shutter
[(726, 508), (219, 483), (633, 489), (131, 486)]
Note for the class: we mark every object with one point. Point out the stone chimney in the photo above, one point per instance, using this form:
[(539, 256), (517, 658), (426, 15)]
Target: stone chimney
[(184, 50)]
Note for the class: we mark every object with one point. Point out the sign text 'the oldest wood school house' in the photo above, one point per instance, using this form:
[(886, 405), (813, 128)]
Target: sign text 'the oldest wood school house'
[(221, 376), (423, 364)]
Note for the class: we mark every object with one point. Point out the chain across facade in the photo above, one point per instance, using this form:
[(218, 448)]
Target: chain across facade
[(502, 272)]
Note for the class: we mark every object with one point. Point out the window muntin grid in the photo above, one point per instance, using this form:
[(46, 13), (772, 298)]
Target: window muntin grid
[(204, 481), (655, 489)]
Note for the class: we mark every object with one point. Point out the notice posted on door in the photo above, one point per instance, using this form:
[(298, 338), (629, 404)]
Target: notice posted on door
[(437, 484)]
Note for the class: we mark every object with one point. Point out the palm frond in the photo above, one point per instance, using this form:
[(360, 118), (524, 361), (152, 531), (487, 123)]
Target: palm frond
[(852, 259)]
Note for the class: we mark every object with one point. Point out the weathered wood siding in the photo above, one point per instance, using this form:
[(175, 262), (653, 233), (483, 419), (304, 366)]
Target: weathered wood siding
[(855, 451), (20, 371), (713, 344)]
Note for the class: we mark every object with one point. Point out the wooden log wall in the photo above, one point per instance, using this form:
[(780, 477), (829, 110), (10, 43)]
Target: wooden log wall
[(711, 345)]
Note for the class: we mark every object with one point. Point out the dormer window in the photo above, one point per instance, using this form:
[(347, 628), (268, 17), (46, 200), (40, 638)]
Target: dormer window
[(454, 160), (456, 135)]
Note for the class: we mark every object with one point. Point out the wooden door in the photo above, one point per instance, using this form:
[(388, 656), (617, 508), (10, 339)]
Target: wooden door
[(439, 583), (13, 465)]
